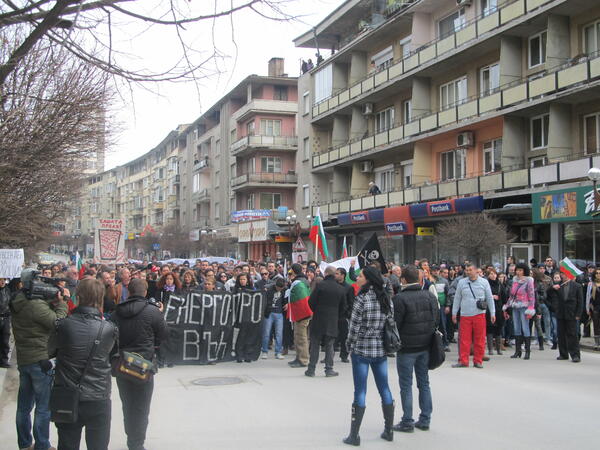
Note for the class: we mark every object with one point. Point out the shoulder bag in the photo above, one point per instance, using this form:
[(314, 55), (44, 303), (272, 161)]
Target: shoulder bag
[(437, 355), (64, 400), (132, 367), (391, 336)]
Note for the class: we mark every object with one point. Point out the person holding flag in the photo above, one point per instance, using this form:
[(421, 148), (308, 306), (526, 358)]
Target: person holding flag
[(566, 298), (344, 249), (317, 236), (299, 312)]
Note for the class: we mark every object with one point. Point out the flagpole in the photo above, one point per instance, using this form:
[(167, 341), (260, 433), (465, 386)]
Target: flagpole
[(317, 248)]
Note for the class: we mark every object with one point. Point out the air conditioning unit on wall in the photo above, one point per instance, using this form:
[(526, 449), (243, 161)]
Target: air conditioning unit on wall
[(465, 139), (368, 109), (527, 234), (366, 166)]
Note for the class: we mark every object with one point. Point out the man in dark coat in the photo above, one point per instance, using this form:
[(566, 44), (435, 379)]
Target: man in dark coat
[(417, 315), (568, 308), (327, 302), (340, 276)]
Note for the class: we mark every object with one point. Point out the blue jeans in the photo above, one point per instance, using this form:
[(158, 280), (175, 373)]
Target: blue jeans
[(406, 362), (34, 389), (547, 321), (442, 327), (277, 320), (554, 328), (520, 322), (360, 373)]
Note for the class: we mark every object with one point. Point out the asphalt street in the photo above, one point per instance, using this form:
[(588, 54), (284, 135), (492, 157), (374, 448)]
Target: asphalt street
[(516, 404)]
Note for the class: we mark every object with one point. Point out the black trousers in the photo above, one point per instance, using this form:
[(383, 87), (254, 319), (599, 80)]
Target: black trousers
[(315, 350), (136, 399), (4, 339), (95, 417), (568, 342), (342, 336)]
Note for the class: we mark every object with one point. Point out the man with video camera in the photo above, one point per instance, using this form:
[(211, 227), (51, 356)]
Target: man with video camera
[(141, 329), (34, 311)]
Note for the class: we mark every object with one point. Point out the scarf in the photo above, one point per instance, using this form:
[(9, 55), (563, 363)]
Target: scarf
[(170, 288)]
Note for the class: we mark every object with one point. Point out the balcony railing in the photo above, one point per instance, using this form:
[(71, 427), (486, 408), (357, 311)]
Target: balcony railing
[(201, 164), (265, 105), (266, 178), (565, 170), (271, 142), (560, 81), (469, 33), (201, 195)]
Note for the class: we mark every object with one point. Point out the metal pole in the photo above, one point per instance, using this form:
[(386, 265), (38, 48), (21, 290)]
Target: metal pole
[(594, 224)]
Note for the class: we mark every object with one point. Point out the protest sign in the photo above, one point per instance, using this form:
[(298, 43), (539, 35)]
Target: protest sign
[(11, 262), (109, 242)]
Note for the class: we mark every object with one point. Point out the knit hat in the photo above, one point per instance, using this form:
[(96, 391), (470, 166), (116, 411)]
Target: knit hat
[(373, 276)]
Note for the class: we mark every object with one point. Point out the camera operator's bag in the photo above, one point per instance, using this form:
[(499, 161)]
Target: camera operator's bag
[(132, 367), (64, 400)]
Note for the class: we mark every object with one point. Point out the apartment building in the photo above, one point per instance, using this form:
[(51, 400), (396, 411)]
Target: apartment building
[(455, 106)]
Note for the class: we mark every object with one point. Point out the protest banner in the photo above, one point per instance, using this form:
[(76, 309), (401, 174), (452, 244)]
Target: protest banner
[(11, 262), (201, 325), (109, 242)]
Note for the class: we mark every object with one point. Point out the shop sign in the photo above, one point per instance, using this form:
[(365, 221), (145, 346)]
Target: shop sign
[(130, 236), (424, 231), (453, 206), (256, 231), (283, 239), (398, 221), (360, 217), (249, 214), (565, 205), (396, 228), (440, 208)]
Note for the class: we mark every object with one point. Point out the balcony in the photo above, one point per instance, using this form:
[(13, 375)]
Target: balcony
[(264, 106), (508, 15), (495, 184), (249, 143), (282, 180), (201, 164), (201, 196), (554, 84)]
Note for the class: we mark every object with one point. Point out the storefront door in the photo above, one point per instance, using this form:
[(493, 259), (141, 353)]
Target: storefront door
[(522, 252)]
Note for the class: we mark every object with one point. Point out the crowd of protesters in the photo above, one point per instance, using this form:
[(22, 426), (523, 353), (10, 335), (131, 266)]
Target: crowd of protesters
[(334, 310)]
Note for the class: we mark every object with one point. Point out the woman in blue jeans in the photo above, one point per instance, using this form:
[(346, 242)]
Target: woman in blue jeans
[(365, 342)]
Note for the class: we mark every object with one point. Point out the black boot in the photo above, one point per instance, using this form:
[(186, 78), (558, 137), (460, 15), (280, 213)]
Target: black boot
[(357, 416), (498, 345), (388, 417), (527, 347), (541, 342), (490, 344), (518, 341)]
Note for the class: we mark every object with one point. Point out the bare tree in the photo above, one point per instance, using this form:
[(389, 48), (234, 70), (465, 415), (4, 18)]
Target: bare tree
[(50, 115), (88, 29), (474, 236)]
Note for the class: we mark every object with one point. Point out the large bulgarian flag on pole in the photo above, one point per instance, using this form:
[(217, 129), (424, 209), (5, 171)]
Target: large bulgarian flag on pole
[(79, 265), (317, 235), (298, 308), (569, 269)]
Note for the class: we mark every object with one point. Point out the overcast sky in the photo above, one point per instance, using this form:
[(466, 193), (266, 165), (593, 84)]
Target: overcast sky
[(147, 114)]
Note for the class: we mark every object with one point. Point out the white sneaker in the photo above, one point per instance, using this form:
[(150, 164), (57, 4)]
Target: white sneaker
[(265, 355), (279, 356)]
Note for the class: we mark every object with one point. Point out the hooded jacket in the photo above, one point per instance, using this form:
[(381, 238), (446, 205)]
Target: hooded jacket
[(141, 326), (33, 322), (417, 314)]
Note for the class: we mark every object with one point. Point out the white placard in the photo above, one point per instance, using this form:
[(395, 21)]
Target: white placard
[(11, 262)]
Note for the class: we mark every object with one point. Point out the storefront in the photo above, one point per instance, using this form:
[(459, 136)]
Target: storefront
[(571, 216), (262, 240)]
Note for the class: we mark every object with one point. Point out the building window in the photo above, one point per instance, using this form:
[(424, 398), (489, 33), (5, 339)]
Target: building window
[(537, 49), (384, 120), (490, 79), (269, 127), (280, 93), (539, 131), (270, 201), (405, 47), (196, 182), (306, 102), (591, 38), (250, 128), (306, 195), (306, 148), (217, 211), (233, 136), (489, 7), (383, 59), (452, 23), (270, 164), (407, 110), (538, 162), (217, 178), (250, 201), (407, 167), (233, 170), (384, 178), (492, 156), (452, 165), (591, 131), (453, 93), (323, 83)]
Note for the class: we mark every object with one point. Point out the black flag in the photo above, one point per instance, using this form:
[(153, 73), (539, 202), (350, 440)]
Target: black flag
[(370, 252)]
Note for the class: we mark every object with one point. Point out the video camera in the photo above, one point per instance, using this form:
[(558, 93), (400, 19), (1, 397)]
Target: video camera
[(38, 287)]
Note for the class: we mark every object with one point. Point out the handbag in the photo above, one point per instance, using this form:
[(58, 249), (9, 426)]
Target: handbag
[(64, 400), (391, 336), (437, 355), (132, 367), (481, 304)]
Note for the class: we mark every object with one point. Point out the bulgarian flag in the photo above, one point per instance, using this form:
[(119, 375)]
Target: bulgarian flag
[(298, 308), (79, 265), (317, 235), (569, 269), (344, 249)]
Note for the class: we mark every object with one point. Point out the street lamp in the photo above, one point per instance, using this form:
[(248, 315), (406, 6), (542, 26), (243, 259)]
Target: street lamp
[(594, 175)]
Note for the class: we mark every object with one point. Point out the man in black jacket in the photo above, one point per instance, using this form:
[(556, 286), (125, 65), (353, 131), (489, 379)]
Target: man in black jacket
[(81, 336), (4, 324), (417, 315), (340, 277), (568, 308), (328, 303), (142, 328)]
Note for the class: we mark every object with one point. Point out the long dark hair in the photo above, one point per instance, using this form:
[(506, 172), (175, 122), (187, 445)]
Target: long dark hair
[(375, 282)]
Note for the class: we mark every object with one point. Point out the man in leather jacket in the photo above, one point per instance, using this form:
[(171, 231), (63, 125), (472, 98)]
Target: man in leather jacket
[(4, 324), (81, 336)]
